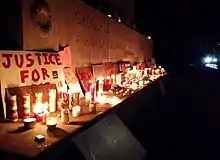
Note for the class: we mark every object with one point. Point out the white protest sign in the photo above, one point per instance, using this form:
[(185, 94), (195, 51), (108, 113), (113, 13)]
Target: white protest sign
[(22, 68)]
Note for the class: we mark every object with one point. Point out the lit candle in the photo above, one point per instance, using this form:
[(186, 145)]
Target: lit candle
[(107, 83), (100, 84), (76, 111), (157, 71), (51, 122), (113, 79), (88, 98), (52, 100), (14, 108), (145, 71), (102, 99), (163, 70), (92, 107), (93, 93), (29, 123), (76, 98), (45, 113), (118, 79), (141, 83), (26, 106)]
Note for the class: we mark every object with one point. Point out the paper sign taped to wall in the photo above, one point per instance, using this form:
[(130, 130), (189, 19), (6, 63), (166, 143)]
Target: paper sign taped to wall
[(71, 79)]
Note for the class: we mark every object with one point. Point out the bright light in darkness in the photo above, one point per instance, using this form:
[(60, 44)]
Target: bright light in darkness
[(109, 15), (214, 60), (208, 59), (214, 66), (149, 37)]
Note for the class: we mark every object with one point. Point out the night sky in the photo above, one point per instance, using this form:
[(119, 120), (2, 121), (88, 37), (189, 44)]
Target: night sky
[(183, 31)]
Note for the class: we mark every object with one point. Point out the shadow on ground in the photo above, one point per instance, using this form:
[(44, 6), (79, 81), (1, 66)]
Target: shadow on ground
[(184, 124)]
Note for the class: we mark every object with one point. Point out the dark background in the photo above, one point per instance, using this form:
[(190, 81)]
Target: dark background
[(182, 31)]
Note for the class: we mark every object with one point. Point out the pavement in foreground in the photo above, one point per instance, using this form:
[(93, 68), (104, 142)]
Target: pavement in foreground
[(184, 124)]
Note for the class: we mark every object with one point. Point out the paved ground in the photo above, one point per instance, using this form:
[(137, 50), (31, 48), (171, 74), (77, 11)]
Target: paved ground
[(185, 124)]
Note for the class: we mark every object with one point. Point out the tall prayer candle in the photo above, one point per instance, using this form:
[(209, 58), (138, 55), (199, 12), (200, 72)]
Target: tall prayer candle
[(113, 79), (52, 100), (26, 106), (76, 111), (145, 71), (118, 79), (93, 93), (39, 97), (88, 98), (76, 98), (107, 83), (14, 108), (100, 85)]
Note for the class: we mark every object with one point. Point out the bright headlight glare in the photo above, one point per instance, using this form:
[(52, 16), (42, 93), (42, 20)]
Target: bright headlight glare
[(208, 59)]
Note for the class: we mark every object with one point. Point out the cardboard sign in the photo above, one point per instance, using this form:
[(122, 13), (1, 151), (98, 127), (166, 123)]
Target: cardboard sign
[(65, 57), (123, 66), (98, 71), (23, 68), (85, 75), (71, 79), (111, 68)]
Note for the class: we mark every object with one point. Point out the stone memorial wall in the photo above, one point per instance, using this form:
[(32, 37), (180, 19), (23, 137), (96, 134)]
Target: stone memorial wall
[(92, 36)]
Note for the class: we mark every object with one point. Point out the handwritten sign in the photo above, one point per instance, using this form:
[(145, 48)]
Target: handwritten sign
[(85, 75), (27, 68), (71, 79)]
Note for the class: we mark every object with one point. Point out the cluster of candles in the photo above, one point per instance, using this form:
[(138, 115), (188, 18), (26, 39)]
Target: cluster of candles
[(40, 110), (95, 91), (131, 80)]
